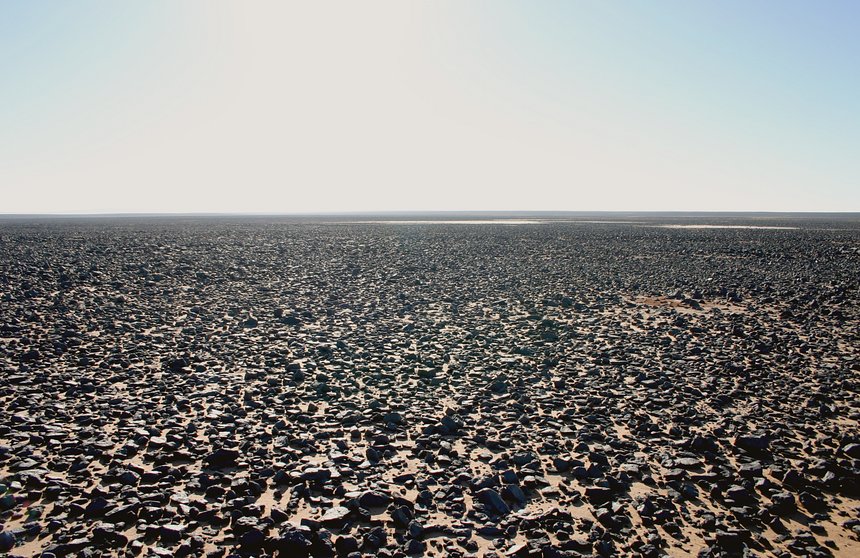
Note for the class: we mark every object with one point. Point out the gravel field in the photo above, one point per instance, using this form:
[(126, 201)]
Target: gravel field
[(544, 388)]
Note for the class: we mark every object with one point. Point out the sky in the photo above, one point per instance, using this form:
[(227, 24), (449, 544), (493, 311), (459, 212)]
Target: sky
[(301, 107)]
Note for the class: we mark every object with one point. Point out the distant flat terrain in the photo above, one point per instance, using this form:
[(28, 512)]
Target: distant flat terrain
[(647, 218), (471, 384)]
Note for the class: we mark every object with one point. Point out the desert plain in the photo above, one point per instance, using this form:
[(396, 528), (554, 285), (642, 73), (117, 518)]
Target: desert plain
[(226, 386)]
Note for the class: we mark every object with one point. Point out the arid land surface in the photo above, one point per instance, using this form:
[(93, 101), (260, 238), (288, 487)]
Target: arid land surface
[(264, 386)]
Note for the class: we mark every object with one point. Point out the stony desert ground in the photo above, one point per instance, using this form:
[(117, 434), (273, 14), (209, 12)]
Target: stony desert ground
[(267, 387)]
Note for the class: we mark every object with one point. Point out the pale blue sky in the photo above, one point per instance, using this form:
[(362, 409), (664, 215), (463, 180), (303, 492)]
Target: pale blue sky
[(216, 106)]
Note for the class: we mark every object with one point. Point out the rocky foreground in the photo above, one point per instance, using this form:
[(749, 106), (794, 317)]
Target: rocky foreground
[(250, 388)]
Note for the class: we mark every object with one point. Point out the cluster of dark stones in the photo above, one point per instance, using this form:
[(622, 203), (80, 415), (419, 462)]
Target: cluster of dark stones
[(216, 387)]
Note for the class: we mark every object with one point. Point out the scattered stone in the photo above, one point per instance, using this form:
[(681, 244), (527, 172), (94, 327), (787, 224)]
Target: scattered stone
[(555, 389), (493, 500)]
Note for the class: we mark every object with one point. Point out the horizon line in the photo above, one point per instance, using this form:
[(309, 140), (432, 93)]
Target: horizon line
[(506, 213)]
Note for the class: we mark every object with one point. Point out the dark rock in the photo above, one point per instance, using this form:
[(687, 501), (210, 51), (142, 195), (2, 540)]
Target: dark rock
[(294, 541), (811, 502), (783, 503), (739, 495), (346, 544), (753, 443), (106, 533), (493, 500), (414, 546), (376, 538), (336, 515), (7, 541), (451, 424), (732, 540), (598, 495), (402, 516), (171, 533), (373, 499), (415, 529), (253, 539), (222, 458)]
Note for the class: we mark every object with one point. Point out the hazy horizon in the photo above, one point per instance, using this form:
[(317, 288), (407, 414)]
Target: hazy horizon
[(455, 215), (291, 108)]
